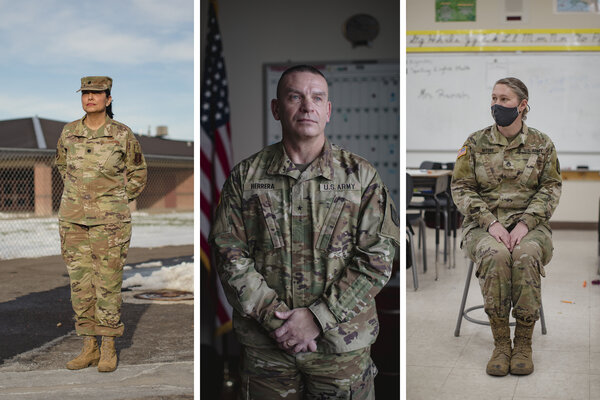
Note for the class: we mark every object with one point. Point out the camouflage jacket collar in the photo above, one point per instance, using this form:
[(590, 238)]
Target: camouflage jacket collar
[(321, 166), (83, 131), (496, 137)]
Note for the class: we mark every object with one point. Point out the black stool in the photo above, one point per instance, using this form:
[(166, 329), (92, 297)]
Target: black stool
[(464, 313)]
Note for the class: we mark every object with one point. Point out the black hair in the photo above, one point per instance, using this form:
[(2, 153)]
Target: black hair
[(109, 111), (298, 68)]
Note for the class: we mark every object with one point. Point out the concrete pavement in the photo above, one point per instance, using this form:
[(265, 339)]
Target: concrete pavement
[(156, 353), (173, 380)]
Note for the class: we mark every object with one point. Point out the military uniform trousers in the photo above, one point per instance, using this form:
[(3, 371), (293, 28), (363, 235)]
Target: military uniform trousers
[(510, 279), (269, 373), (95, 256)]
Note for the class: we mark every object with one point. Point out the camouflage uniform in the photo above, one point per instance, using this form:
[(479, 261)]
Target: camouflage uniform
[(323, 239), (94, 219), (332, 375), (508, 182)]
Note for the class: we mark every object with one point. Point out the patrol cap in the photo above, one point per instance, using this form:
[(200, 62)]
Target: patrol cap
[(97, 83)]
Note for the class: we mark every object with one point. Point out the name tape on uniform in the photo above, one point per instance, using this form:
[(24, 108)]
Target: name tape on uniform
[(262, 185), (330, 187)]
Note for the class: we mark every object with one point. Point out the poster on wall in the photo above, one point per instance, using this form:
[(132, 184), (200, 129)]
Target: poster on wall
[(454, 10), (576, 6)]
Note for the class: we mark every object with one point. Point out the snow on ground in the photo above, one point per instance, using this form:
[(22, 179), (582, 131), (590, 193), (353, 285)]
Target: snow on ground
[(38, 237), (156, 230), (150, 264), (178, 277)]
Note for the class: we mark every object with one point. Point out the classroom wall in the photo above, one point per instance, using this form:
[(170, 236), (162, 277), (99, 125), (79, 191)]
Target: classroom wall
[(267, 31), (420, 15)]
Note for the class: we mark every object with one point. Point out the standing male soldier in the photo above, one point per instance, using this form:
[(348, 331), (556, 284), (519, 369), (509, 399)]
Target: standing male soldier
[(305, 235), (103, 168)]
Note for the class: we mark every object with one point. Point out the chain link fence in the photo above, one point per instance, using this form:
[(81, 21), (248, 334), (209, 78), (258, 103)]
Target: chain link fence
[(31, 189)]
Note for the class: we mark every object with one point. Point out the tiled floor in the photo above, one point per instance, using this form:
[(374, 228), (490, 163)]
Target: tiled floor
[(567, 359)]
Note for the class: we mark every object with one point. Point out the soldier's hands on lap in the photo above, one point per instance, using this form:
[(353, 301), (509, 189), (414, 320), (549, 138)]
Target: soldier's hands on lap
[(500, 234), (518, 233), (298, 333)]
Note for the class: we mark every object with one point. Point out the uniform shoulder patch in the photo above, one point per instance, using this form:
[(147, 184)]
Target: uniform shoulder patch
[(462, 152)]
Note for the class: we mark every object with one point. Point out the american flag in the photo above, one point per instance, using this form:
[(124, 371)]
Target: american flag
[(215, 152)]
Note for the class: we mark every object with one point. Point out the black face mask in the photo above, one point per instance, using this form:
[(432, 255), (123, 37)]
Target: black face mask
[(504, 116)]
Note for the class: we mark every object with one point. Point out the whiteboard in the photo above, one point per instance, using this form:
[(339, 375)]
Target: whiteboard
[(365, 113), (448, 96)]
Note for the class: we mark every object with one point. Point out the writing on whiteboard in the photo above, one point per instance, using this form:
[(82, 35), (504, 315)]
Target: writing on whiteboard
[(428, 68), (425, 94)]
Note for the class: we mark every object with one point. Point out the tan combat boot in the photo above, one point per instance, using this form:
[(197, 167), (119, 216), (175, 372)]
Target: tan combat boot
[(89, 354), (499, 363), (521, 362), (108, 355)]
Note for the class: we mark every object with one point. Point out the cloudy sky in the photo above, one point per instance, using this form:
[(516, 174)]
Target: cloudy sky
[(146, 46)]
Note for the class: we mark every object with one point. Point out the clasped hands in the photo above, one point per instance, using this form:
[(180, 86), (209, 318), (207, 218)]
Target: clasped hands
[(511, 239), (299, 331)]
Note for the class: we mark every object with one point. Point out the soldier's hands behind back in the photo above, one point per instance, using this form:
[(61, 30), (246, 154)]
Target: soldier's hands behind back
[(299, 331)]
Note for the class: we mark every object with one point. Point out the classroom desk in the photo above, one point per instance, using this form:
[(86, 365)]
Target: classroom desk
[(431, 184)]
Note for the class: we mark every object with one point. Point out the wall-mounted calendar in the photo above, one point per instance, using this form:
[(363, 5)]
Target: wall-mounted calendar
[(365, 114)]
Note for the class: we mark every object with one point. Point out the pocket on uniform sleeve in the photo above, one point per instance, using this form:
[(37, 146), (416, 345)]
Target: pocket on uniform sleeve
[(390, 226)]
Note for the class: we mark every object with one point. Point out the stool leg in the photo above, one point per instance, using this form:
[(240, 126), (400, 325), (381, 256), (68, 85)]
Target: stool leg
[(461, 312), (542, 319)]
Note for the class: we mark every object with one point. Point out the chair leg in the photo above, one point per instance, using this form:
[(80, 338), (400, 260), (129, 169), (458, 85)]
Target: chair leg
[(446, 234), (454, 244), (411, 239), (420, 227), (437, 246), (437, 236), (463, 302), (424, 245)]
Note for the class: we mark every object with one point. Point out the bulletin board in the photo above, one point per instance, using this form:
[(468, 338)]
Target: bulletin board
[(365, 112)]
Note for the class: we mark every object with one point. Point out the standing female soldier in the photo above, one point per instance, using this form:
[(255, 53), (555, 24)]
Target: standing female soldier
[(507, 183), (93, 155)]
